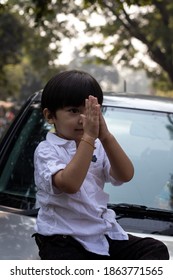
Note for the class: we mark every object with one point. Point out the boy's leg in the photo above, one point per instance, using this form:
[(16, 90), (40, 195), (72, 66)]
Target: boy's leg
[(137, 248), (59, 247), (63, 247)]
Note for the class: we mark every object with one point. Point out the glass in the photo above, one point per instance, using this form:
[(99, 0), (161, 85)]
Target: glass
[(147, 138), (17, 187)]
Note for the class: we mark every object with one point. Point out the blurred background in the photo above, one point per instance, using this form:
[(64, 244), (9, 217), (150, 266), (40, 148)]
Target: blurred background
[(126, 45)]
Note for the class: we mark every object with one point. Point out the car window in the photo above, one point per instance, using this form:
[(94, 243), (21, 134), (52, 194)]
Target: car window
[(17, 188), (147, 137)]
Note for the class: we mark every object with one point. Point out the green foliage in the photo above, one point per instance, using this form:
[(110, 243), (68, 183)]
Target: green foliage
[(11, 39), (151, 23), (25, 56)]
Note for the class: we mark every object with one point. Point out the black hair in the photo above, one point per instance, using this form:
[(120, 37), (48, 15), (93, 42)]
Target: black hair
[(70, 88)]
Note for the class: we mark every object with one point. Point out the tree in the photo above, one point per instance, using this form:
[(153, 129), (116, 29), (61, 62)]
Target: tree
[(149, 22), (11, 40), (26, 60)]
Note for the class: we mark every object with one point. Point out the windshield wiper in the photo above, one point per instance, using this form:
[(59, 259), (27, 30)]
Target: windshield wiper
[(140, 211)]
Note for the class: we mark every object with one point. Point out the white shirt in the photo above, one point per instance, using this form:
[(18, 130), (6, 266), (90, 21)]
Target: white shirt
[(83, 215)]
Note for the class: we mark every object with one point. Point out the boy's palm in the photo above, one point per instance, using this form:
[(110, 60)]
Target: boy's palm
[(91, 117)]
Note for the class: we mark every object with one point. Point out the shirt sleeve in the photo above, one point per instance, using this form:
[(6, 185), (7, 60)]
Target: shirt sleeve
[(108, 177), (47, 161)]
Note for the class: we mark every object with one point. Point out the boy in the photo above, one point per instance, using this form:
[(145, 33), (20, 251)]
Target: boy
[(71, 167)]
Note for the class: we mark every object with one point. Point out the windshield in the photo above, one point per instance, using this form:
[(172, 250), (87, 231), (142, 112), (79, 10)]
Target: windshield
[(147, 138)]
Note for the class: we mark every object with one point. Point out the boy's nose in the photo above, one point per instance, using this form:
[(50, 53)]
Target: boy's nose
[(80, 119)]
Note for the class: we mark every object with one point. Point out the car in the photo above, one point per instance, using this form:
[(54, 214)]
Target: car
[(142, 124)]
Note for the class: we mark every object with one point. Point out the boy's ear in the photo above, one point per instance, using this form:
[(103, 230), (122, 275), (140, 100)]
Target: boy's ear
[(48, 116)]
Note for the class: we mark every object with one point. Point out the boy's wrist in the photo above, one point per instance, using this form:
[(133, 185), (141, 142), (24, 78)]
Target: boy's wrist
[(107, 137), (89, 140)]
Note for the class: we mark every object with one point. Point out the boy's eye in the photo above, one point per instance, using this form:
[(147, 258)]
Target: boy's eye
[(74, 110)]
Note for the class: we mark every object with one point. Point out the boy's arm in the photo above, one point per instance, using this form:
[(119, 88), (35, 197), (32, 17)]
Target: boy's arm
[(121, 167), (70, 179)]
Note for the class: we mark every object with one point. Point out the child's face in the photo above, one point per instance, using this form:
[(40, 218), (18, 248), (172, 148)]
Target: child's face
[(68, 122)]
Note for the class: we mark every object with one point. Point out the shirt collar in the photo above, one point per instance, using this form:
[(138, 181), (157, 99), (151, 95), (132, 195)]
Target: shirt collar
[(58, 141)]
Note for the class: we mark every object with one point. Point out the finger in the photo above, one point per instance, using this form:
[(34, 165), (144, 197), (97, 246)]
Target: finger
[(93, 99), (86, 107), (92, 108)]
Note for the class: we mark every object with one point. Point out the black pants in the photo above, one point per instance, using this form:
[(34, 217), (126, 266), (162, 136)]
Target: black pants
[(64, 247)]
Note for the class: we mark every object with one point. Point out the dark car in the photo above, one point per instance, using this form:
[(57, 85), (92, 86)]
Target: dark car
[(143, 126)]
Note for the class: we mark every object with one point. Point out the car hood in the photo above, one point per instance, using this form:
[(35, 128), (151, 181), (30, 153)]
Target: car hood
[(16, 242)]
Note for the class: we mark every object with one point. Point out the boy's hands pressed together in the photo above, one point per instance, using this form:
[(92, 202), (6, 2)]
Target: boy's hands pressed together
[(93, 121), (91, 118)]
